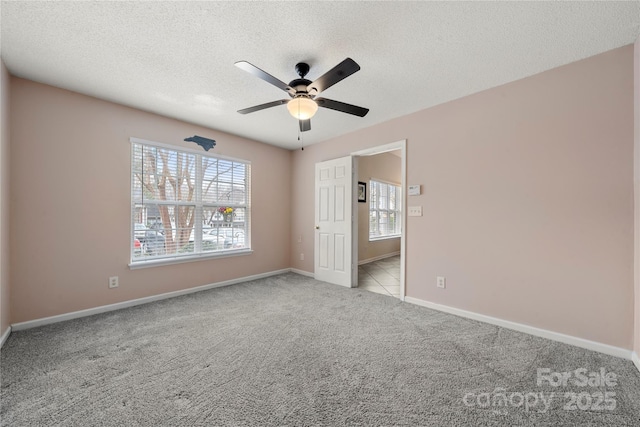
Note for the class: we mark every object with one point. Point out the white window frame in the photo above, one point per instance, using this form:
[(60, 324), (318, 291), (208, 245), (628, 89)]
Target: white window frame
[(200, 205), (387, 210)]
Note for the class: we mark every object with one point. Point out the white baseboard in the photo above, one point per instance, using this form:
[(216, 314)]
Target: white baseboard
[(378, 258), (636, 360), (5, 335), (125, 304), (303, 273), (555, 336)]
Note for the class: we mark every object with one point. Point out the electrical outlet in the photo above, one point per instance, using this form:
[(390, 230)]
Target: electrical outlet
[(301, 257), (113, 282), (441, 282), (300, 239)]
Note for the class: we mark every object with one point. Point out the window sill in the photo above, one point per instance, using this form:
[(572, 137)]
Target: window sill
[(375, 239), (191, 258)]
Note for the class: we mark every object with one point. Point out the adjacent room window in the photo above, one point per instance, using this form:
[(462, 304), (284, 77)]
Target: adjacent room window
[(385, 202), (186, 203)]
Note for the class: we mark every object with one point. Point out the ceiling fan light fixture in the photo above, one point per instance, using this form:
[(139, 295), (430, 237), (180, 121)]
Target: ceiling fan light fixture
[(302, 108)]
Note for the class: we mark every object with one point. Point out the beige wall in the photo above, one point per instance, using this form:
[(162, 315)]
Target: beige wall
[(5, 309), (527, 199), (70, 166), (385, 167), (636, 115)]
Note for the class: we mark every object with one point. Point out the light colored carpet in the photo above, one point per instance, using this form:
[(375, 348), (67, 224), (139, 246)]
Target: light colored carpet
[(292, 351)]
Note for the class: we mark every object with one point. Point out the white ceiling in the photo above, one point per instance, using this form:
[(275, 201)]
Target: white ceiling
[(176, 58)]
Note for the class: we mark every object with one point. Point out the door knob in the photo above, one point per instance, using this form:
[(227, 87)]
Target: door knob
[(317, 227)]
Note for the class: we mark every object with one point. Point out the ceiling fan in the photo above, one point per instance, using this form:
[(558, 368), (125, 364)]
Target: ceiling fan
[(303, 103)]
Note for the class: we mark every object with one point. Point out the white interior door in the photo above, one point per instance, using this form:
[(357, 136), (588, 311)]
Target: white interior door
[(333, 207)]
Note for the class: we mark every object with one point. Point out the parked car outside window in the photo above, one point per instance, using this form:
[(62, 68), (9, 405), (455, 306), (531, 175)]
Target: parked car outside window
[(233, 237), (153, 243), (137, 248), (221, 238), (139, 230)]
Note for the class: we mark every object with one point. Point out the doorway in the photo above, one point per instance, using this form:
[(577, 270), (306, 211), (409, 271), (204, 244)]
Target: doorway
[(336, 248), (380, 259)]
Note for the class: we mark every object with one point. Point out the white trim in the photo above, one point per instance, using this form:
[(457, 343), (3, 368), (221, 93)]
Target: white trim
[(355, 209), (380, 149), (131, 303), (378, 258), (636, 360), (4, 336), (303, 273), (531, 330), (385, 237), (403, 239), (402, 146), (134, 265)]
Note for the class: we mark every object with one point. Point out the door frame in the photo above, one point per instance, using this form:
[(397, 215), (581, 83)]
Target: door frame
[(380, 149)]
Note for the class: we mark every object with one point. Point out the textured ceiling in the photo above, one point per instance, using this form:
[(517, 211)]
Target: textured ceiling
[(176, 58)]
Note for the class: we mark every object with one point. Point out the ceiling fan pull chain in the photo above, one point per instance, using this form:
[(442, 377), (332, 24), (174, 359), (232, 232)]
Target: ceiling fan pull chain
[(299, 131), (300, 138)]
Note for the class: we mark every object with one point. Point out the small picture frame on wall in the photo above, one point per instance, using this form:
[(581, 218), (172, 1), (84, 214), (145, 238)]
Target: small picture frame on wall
[(362, 192)]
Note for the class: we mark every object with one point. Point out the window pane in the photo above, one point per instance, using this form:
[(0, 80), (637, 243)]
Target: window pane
[(239, 173), (224, 237), (373, 223), (373, 194), (238, 195), (209, 216), (175, 175), (392, 223), (383, 196), (383, 221)]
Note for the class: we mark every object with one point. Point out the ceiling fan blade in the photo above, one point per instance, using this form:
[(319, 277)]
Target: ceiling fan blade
[(252, 69), (263, 106), (334, 75), (341, 106), (305, 125)]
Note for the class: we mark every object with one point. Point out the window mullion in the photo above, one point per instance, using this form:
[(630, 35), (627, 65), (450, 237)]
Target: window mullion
[(197, 223)]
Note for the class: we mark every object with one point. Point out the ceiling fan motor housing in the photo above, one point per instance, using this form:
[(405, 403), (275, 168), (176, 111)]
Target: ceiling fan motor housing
[(300, 87)]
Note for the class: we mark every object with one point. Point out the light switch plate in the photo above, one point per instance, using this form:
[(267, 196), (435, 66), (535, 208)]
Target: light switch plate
[(415, 210)]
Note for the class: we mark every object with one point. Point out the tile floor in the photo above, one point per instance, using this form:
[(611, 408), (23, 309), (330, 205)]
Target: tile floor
[(381, 276)]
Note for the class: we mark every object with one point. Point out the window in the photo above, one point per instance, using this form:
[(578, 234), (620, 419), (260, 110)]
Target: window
[(385, 204), (186, 204)]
